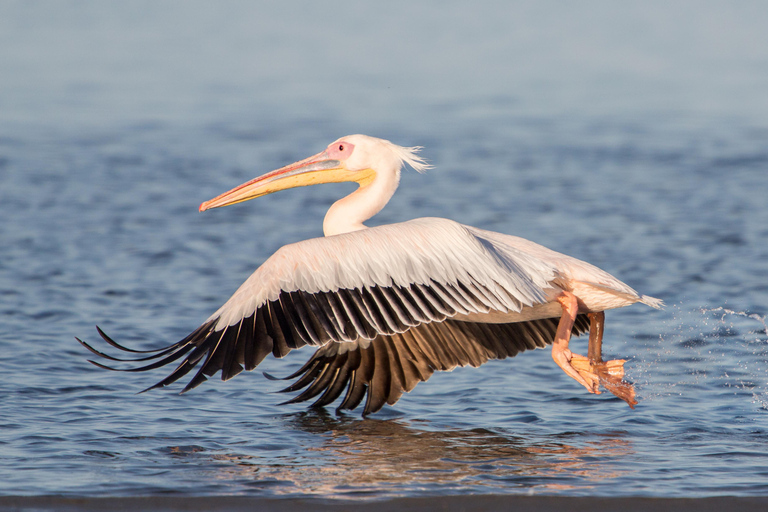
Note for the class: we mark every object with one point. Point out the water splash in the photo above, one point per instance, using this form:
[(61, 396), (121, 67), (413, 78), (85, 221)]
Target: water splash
[(717, 350), (757, 366), (726, 312)]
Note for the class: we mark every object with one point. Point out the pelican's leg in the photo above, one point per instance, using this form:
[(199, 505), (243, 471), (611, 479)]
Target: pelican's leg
[(560, 351), (596, 325), (610, 373), (592, 371)]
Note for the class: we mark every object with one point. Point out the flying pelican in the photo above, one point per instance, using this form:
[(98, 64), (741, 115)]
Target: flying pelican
[(387, 306)]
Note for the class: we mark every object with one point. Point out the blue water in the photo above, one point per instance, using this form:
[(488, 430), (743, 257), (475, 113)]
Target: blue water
[(635, 138)]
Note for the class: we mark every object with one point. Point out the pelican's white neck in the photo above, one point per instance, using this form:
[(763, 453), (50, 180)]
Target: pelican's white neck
[(385, 160), (349, 213)]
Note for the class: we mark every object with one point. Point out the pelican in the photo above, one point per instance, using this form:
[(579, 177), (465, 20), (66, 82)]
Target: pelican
[(387, 306)]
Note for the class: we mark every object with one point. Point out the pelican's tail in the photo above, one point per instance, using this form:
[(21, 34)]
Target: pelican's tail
[(652, 301)]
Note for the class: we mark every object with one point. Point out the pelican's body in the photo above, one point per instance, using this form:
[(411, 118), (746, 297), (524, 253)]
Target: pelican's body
[(387, 306)]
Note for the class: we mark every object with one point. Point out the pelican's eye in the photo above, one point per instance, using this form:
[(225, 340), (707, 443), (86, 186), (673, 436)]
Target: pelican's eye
[(340, 150)]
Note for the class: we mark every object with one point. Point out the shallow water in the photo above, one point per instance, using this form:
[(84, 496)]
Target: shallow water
[(642, 151)]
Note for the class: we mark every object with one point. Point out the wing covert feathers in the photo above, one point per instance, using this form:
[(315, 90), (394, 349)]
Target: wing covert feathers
[(417, 253)]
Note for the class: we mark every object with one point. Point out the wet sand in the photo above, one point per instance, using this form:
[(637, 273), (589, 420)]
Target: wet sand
[(445, 503)]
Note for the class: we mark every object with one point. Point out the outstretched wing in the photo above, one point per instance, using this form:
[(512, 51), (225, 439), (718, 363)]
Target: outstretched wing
[(390, 282), (384, 368)]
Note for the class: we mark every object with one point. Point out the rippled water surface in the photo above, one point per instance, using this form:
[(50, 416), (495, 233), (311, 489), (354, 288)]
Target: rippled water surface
[(636, 140)]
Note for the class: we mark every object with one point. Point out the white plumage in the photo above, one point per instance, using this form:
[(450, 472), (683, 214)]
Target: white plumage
[(389, 305)]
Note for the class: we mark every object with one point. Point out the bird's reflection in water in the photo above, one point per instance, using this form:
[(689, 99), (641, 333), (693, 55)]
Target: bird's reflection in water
[(350, 456)]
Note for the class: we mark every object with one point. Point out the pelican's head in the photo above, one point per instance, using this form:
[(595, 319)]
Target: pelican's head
[(358, 158)]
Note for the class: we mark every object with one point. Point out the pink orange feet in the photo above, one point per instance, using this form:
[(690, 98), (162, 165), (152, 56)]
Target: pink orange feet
[(609, 374), (589, 372)]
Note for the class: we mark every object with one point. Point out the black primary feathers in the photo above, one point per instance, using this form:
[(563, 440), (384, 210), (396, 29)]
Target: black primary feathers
[(375, 342)]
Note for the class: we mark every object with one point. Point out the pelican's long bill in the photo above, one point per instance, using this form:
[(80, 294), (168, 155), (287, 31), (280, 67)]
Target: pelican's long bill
[(314, 170)]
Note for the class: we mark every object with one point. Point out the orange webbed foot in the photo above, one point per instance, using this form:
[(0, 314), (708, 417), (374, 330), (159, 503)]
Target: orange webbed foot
[(609, 374)]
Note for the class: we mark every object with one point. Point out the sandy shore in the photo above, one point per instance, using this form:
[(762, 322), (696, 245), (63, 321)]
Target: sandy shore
[(446, 503)]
